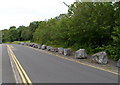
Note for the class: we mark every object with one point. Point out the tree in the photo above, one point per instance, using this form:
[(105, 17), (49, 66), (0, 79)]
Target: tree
[(32, 27), (13, 34), (25, 34), (20, 29)]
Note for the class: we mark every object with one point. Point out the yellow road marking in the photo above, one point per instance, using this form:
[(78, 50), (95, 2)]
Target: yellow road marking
[(23, 79), (18, 65), (29, 81), (89, 65), (73, 60)]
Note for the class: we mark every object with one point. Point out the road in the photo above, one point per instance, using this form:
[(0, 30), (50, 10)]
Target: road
[(42, 67), (0, 64), (7, 73)]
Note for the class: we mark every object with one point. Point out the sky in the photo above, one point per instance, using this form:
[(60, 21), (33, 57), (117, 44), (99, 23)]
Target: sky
[(22, 12)]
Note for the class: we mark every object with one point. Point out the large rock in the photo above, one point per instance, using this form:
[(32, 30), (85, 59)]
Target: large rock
[(21, 43), (52, 49), (67, 52), (61, 50), (43, 47), (81, 53), (35, 45), (118, 63), (55, 49), (24, 43), (39, 46), (28, 44), (100, 57), (32, 44), (48, 48)]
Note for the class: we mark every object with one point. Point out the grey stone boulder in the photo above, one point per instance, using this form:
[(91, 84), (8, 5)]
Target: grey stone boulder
[(52, 49), (31, 44), (28, 44), (43, 47), (35, 45), (55, 49), (100, 57), (118, 63), (24, 43), (48, 48), (81, 54), (39, 46), (21, 43), (67, 52), (61, 50)]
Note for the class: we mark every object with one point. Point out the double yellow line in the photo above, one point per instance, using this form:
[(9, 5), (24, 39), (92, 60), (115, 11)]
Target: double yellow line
[(25, 79)]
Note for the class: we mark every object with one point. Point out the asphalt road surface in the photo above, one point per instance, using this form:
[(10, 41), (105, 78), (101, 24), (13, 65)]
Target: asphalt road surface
[(46, 68), (7, 73), (0, 64)]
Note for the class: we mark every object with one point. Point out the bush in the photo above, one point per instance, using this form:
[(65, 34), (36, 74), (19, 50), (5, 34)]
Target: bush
[(111, 50)]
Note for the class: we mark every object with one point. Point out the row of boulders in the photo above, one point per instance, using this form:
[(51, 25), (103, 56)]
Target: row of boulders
[(100, 57)]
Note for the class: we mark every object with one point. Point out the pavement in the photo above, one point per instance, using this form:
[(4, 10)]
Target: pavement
[(42, 67)]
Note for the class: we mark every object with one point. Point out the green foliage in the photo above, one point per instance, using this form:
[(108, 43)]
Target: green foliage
[(13, 34), (112, 51)]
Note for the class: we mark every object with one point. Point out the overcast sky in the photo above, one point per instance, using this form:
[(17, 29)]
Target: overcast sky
[(22, 12)]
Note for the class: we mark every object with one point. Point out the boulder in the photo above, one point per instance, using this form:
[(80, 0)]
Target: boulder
[(39, 46), (55, 49), (28, 44), (67, 52), (24, 43), (60, 50), (35, 45), (52, 49), (48, 48), (118, 63), (21, 43), (100, 57), (43, 47), (32, 44), (81, 54)]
